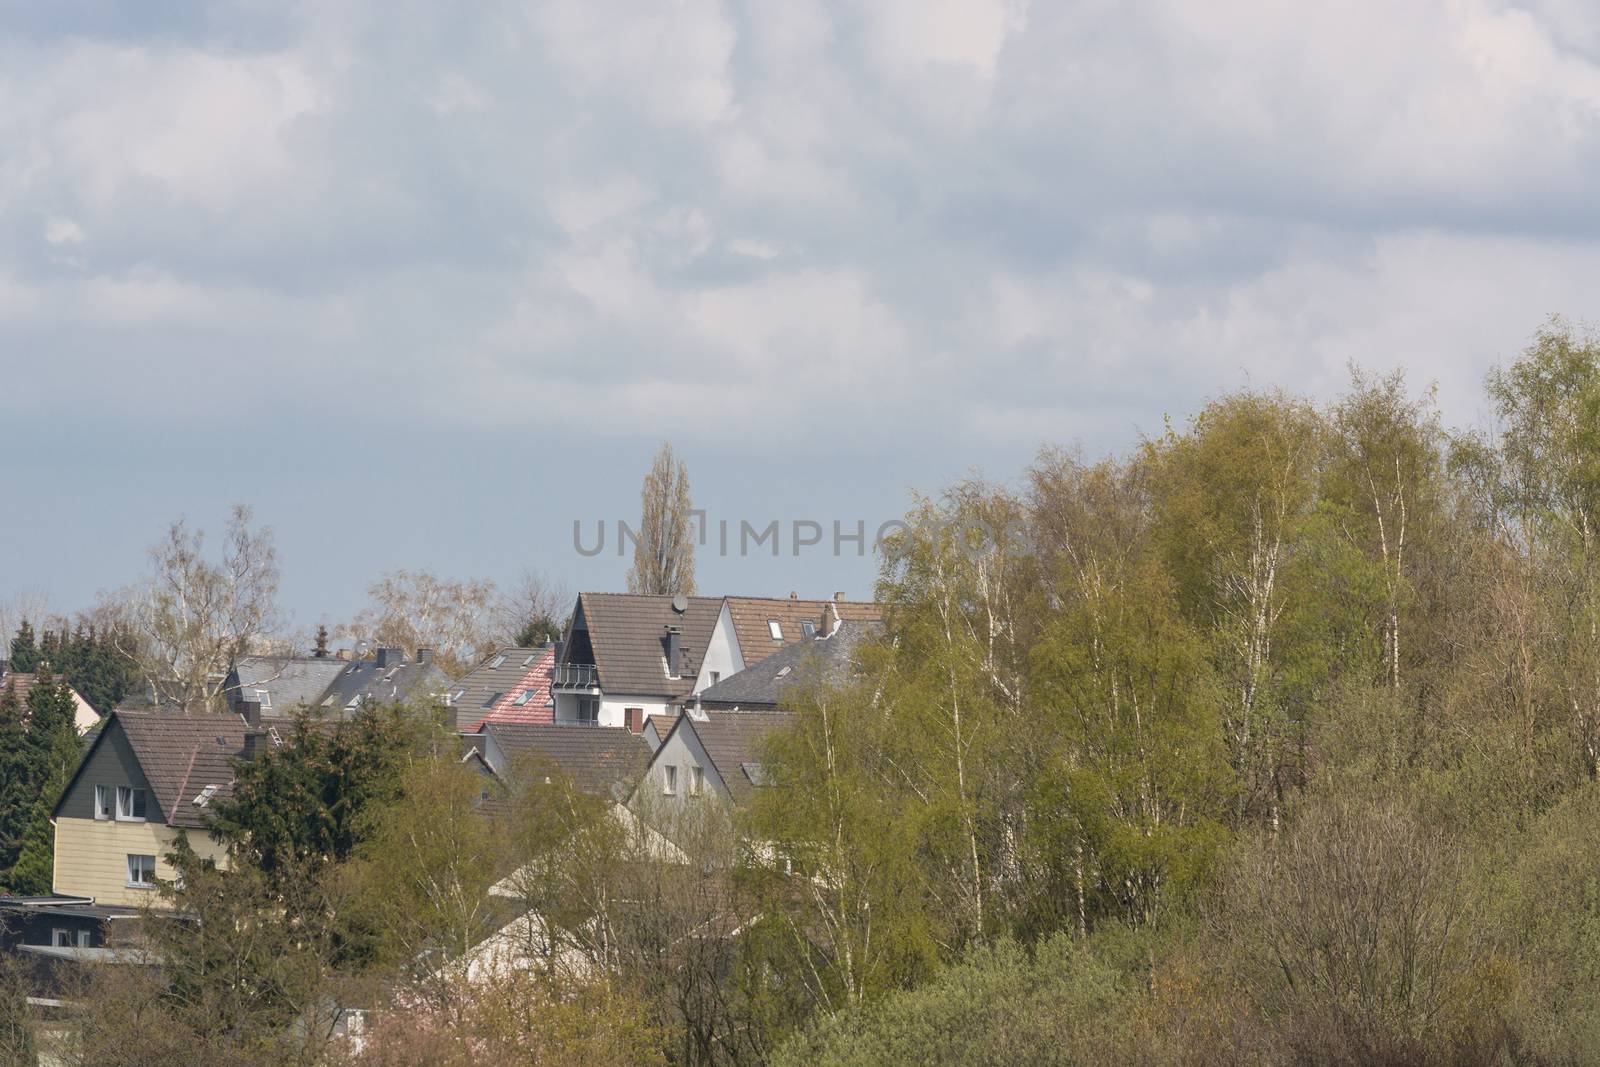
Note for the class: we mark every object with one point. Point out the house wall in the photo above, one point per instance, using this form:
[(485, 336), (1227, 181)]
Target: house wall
[(111, 762), (722, 652), (92, 857), (681, 749), (612, 708)]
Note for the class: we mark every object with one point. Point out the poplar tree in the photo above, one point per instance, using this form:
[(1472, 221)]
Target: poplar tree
[(663, 554)]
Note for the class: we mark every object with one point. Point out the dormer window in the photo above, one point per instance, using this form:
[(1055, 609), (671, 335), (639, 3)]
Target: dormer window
[(775, 628)]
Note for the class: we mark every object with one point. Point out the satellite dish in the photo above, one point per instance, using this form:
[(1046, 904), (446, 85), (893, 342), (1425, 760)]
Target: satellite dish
[(680, 603)]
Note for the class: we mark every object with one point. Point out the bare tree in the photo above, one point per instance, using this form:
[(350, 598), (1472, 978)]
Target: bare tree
[(192, 616), (416, 609), (663, 555), (531, 612)]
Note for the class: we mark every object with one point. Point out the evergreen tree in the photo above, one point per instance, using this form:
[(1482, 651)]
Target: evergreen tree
[(53, 751), (14, 785), (24, 651)]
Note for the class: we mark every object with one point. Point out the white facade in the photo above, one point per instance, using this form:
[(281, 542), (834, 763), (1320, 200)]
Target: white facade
[(612, 709), (723, 657)]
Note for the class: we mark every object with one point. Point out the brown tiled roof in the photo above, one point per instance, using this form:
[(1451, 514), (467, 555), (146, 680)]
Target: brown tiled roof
[(627, 631), (534, 680), (594, 757), (662, 724), (751, 614), (182, 754), (732, 739)]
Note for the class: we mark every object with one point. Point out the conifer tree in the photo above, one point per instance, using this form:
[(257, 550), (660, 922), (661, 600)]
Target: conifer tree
[(53, 750), (24, 650), (14, 785)]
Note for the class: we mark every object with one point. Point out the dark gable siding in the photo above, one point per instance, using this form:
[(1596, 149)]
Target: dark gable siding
[(110, 763)]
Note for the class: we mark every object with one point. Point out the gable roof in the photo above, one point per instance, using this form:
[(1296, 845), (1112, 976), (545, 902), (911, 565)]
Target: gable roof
[(732, 741), (25, 681), (405, 679), (528, 698), (626, 631), (763, 684), (751, 616), (290, 681), (180, 755), (594, 757), (500, 677)]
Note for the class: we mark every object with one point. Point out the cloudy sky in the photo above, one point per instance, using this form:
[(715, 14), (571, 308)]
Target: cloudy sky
[(424, 288)]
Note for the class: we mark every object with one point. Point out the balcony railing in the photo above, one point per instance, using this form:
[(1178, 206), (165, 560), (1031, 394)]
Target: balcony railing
[(575, 676)]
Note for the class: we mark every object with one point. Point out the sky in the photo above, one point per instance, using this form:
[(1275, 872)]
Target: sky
[(425, 284)]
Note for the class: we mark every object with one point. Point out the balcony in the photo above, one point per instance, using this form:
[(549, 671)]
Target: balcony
[(575, 677)]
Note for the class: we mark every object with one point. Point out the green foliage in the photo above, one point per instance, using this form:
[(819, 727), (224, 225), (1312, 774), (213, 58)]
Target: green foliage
[(308, 802), (538, 631), (49, 753), (24, 649), (16, 771)]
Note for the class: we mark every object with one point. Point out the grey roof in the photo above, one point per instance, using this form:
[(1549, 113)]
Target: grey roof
[(594, 757), (398, 680), (290, 681), (626, 631), (489, 681), (762, 684), (181, 755), (732, 740)]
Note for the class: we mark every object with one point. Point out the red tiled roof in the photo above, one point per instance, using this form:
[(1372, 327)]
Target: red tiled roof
[(513, 707)]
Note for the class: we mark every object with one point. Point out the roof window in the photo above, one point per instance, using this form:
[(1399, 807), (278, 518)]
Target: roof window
[(775, 628)]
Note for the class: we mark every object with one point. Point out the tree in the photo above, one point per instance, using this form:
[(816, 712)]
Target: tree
[(17, 1045), (308, 803), (53, 749), (663, 554), (193, 616), (16, 788), (24, 649), (531, 613), (416, 609)]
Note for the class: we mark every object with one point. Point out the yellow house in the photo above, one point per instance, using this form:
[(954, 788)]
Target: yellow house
[(148, 775)]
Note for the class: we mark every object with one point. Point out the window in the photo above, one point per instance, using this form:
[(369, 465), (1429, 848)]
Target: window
[(669, 782), (589, 711), (496, 663), (130, 804), (808, 628), (264, 698), (697, 781), (141, 872), (102, 801), (716, 676), (61, 938), (775, 629), (523, 697)]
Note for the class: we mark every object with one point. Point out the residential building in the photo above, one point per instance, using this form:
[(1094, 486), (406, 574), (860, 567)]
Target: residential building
[(604, 761), (627, 656), (281, 684), (708, 755), (388, 677), (513, 685), (147, 776), (761, 626), (84, 717), (761, 686)]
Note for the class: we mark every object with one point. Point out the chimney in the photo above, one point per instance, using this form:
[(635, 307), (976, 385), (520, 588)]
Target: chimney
[(424, 655), (793, 595), (391, 657), (839, 597), (250, 711), (634, 718), (321, 651), (674, 651)]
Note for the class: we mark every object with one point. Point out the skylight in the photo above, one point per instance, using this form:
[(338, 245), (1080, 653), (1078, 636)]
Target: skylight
[(776, 629), (496, 663), (523, 698), (809, 628)]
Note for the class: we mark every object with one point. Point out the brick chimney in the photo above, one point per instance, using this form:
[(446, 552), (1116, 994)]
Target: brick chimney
[(634, 719), (424, 655), (391, 657)]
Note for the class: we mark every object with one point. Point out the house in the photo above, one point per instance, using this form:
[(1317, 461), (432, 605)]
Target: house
[(513, 685), (604, 761), (388, 677), (761, 686), (709, 754), (760, 626), (626, 656), (281, 684), (147, 776), (84, 717)]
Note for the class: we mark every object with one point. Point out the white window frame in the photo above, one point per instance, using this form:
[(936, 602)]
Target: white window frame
[(669, 780), (134, 882), (105, 803), (264, 698), (775, 628), (697, 780), (125, 811), (60, 934)]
